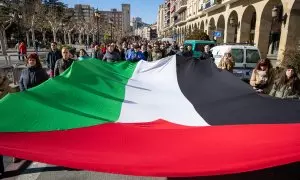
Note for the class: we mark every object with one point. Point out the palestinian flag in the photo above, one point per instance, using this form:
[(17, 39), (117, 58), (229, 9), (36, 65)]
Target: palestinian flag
[(175, 117)]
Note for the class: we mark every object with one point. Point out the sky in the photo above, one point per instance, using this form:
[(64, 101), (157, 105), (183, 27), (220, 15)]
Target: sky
[(146, 9)]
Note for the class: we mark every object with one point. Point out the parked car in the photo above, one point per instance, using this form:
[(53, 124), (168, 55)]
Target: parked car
[(245, 57), (198, 46)]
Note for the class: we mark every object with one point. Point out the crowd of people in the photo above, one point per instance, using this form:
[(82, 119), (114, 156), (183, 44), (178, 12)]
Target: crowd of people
[(277, 82)]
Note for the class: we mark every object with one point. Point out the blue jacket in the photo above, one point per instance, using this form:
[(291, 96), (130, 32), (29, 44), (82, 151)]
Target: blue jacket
[(135, 56), (31, 77)]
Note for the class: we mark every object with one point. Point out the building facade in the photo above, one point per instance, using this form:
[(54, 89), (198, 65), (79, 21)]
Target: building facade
[(83, 12), (126, 29), (271, 25), (160, 21)]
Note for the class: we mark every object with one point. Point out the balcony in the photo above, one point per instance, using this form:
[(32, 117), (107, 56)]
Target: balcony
[(182, 5)]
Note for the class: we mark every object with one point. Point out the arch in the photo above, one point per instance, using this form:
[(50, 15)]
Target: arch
[(270, 30), (221, 28), (290, 36), (211, 28), (248, 24), (232, 27), (202, 26)]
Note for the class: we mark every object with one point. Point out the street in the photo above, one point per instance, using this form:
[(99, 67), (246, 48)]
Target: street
[(41, 171)]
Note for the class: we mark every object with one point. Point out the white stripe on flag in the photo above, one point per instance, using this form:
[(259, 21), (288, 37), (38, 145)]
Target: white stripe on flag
[(153, 93)]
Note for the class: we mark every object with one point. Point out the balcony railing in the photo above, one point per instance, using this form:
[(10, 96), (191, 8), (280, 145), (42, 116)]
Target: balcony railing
[(182, 6), (210, 4)]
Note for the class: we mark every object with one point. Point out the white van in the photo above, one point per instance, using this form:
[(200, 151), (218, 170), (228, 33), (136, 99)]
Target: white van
[(245, 57)]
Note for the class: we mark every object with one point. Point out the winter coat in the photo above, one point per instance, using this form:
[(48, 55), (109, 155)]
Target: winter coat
[(111, 56), (97, 54), (4, 86), (155, 55), (62, 65), (229, 65), (31, 77), (128, 52), (262, 80), (146, 55), (206, 55), (135, 56), (51, 59), (22, 48), (286, 91), (188, 54)]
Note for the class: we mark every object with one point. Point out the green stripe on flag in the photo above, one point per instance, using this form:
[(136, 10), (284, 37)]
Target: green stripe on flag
[(90, 92)]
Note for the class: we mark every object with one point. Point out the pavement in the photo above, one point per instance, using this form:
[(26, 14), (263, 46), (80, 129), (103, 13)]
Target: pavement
[(27, 170)]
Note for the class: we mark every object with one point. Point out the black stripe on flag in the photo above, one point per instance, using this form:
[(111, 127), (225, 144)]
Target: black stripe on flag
[(223, 99)]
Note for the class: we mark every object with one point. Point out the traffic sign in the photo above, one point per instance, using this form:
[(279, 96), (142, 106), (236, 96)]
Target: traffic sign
[(218, 34)]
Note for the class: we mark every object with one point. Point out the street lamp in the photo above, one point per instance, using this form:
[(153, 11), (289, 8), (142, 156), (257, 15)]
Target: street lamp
[(97, 16)]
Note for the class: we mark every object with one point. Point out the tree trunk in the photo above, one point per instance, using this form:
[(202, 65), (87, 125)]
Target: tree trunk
[(2, 44), (80, 38), (27, 39), (65, 38), (33, 37), (54, 35), (44, 36), (70, 37), (5, 39), (94, 38), (88, 39)]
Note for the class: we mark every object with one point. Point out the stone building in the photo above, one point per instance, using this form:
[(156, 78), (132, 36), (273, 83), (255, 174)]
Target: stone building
[(271, 25)]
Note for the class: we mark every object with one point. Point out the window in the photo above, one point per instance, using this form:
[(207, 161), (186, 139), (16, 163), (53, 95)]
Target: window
[(238, 55), (252, 56)]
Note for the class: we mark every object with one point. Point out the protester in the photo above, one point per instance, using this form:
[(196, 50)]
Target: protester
[(189, 52), (227, 62), (97, 53), (83, 55), (136, 54), (22, 50), (111, 55), (145, 52), (33, 75), (123, 50), (262, 76), (129, 51), (181, 51), (115, 49), (156, 53), (172, 50), (287, 86), (63, 64), (52, 57), (207, 54)]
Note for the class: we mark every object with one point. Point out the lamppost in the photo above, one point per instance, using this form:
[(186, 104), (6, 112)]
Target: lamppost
[(97, 16), (111, 31)]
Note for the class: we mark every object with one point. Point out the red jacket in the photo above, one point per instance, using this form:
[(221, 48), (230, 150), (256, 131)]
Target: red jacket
[(22, 48)]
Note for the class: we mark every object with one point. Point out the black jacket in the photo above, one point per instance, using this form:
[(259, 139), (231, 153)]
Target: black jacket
[(52, 57), (31, 77), (206, 55)]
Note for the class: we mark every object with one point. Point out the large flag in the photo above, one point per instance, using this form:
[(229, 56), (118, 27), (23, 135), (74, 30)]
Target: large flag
[(175, 117)]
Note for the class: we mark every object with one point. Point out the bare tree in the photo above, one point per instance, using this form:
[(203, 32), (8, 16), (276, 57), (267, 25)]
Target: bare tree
[(8, 14), (30, 9), (54, 12)]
